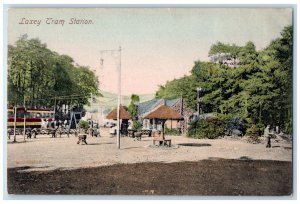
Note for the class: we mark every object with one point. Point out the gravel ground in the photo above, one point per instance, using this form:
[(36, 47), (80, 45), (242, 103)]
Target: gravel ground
[(46, 153)]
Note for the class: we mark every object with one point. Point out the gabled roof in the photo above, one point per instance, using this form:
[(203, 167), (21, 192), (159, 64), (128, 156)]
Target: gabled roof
[(123, 114), (171, 102), (164, 112), (148, 106)]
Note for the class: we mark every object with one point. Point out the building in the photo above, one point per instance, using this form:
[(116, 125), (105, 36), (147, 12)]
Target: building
[(177, 104), (225, 58)]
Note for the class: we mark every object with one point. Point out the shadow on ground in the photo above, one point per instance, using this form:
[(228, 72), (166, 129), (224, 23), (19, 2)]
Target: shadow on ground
[(131, 148), (19, 142), (204, 177), (101, 143), (195, 144)]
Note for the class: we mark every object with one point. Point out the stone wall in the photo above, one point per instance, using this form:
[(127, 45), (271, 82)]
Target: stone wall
[(186, 112)]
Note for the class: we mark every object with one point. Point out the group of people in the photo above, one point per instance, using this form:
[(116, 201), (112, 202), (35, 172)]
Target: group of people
[(53, 124)]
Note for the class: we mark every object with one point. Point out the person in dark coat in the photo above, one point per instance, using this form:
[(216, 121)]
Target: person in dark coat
[(269, 141)]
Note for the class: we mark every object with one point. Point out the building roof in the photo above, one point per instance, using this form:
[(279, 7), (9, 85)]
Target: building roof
[(164, 112), (148, 106), (171, 102), (123, 114)]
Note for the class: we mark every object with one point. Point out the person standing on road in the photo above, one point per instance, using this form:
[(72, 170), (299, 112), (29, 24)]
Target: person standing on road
[(269, 141)]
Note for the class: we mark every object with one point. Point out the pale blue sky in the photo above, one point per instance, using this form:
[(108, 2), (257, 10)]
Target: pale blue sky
[(159, 44)]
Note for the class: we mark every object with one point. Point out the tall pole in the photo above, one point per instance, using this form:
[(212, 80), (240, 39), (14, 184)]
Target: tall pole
[(54, 106), (15, 118), (119, 91), (119, 100), (24, 121), (91, 106), (198, 101), (91, 100)]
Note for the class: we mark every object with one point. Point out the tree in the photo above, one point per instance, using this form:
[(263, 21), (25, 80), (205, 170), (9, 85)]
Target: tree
[(43, 78), (258, 90), (132, 108)]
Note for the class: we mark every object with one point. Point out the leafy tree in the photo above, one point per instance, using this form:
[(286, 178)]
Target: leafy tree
[(184, 87), (40, 77), (257, 89), (83, 124), (132, 108)]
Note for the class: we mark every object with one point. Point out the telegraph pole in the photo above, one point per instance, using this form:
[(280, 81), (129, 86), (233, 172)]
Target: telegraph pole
[(198, 101), (54, 106), (119, 91), (91, 101), (92, 110), (119, 100), (24, 120), (15, 118)]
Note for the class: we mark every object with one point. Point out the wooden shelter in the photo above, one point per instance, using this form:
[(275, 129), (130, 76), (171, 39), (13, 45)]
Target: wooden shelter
[(164, 113), (123, 114)]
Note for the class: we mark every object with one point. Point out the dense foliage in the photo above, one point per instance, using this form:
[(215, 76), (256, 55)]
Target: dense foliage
[(83, 124), (136, 125), (132, 108), (40, 77), (257, 88), (210, 128), (172, 131), (235, 126)]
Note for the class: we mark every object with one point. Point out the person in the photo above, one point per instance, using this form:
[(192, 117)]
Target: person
[(47, 124), (58, 123), (267, 131), (269, 141), (44, 124)]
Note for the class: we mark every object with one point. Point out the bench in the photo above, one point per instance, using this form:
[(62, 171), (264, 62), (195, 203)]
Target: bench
[(162, 141)]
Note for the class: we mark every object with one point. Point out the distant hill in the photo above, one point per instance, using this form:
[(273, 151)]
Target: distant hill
[(109, 100)]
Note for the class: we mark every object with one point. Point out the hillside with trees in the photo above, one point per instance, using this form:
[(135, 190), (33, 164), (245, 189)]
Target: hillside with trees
[(257, 87)]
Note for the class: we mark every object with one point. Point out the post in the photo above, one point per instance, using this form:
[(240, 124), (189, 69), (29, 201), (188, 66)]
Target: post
[(198, 101), (163, 128), (15, 118), (54, 106), (119, 91), (24, 122), (119, 100), (91, 108), (91, 101)]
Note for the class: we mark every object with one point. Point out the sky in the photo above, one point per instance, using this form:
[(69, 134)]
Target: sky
[(158, 44)]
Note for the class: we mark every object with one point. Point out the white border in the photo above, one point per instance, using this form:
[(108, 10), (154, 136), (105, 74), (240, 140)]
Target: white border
[(91, 3)]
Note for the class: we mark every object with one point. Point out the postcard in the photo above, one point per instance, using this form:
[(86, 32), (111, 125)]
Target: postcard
[(150, 101)]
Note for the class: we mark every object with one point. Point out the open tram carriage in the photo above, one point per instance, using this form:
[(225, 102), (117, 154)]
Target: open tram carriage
[(32, 118)]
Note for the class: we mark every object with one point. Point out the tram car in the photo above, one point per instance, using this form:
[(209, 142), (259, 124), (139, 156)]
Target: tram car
[(34, 118)]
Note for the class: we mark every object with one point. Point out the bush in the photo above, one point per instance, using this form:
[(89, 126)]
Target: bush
[(235, 125), (83, 124), (194, 129), (136, 125), (172, 131), (253, 131), (288, 126), (210, 128)]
